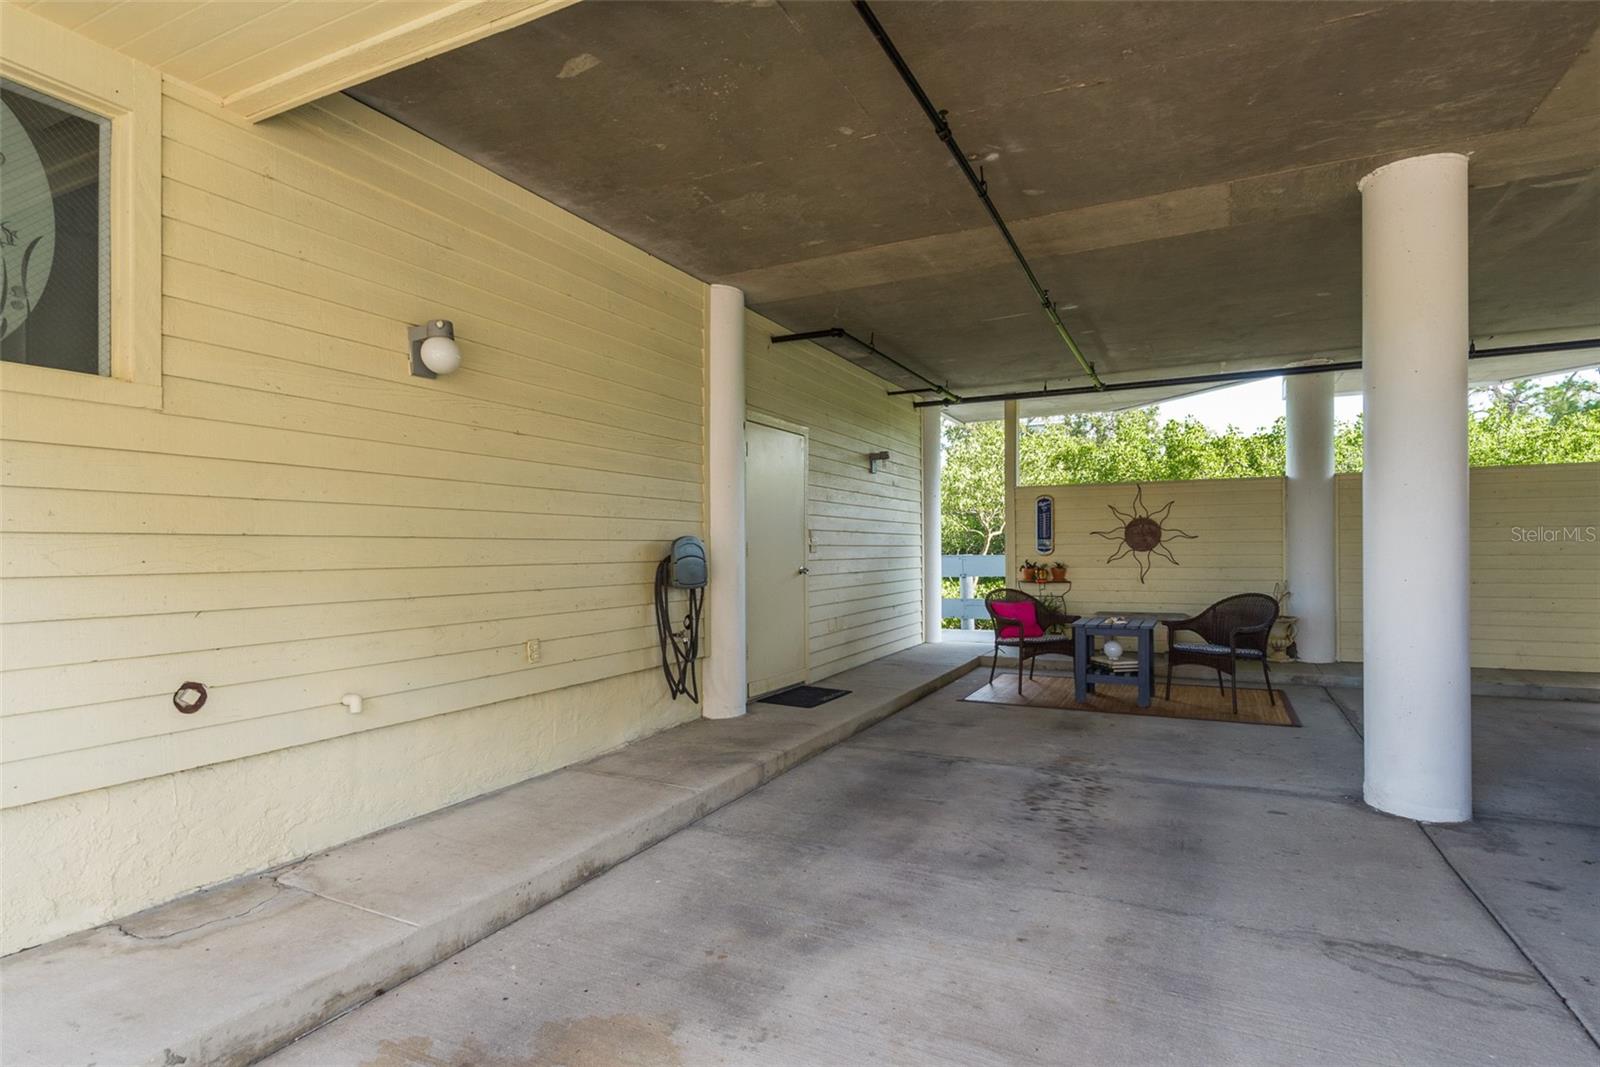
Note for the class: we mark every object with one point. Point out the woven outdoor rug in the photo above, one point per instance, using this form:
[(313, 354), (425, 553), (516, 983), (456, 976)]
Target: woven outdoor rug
[(1188, 701)]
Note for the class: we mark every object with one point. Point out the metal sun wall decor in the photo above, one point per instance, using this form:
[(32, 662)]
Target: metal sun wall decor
[(1143, 533)]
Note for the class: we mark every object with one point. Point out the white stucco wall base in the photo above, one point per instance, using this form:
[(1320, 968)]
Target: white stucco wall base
[(82, 860)]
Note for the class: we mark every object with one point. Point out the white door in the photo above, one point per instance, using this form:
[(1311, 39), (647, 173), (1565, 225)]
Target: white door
[(775, 557)]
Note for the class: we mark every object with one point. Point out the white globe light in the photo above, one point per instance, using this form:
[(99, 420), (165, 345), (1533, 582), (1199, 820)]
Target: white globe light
[(440, 355), (1113, 650)]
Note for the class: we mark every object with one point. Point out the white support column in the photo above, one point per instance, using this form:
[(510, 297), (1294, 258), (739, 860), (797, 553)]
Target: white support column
[(932, 547), (1013, 530), (1309, 515), (726, 692), (1417, 680)]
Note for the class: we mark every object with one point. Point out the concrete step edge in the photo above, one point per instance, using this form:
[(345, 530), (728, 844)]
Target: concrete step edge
[(269, 1020), (503, 908)]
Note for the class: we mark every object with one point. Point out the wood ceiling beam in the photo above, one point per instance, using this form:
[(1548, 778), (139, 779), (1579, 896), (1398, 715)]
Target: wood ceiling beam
[(428, 35)]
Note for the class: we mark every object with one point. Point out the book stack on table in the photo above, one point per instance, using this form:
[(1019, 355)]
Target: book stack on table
[(1122, 665)]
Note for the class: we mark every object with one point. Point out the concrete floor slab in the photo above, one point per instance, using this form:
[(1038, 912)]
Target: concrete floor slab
[(1542, 882), (1234, 855), (980, 885), (850, 963), (1316, 757), (1533, 759)]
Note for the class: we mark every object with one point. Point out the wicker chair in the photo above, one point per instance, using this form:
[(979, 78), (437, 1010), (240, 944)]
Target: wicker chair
[(1230, 630), (1007, 635)]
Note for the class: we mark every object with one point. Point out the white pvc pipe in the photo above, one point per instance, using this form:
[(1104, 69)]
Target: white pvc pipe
[(1417, 676), (932, 549), (1309, 515), (726, 692)]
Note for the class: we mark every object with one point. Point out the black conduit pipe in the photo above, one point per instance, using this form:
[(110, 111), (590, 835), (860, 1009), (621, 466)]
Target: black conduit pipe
[(979, 185), (841, 333), (1222, 377)]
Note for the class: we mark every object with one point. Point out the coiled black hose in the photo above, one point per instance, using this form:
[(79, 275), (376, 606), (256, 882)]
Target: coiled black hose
[(680, 654)]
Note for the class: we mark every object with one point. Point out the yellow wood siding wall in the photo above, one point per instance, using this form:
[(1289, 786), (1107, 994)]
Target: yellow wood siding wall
[(863, 594), (300, 518), (1238, 545), (1535, 598), (303, 519)]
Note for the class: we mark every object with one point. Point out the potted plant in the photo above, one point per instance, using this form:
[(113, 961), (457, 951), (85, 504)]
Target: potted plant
[(1058, 572), (1030, 571)]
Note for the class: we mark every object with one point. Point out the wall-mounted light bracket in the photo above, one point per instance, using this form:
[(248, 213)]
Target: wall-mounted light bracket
[(874, 460), (444, 359)]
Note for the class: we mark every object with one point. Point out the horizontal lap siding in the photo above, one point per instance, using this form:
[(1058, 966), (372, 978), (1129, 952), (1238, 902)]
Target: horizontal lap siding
[(1237, 547), (302, 518), (1347, 555), (863, 594), (1535, 603)]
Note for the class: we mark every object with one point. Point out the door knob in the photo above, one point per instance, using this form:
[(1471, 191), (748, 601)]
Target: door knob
[(805, 570)]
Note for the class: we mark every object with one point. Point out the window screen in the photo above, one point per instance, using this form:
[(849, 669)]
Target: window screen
[(55, 192)]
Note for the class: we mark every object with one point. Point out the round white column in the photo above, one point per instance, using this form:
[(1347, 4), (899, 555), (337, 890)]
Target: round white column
[(1417, 678), (726, 692), (1308, 515), (932, 547), (1013, 529)]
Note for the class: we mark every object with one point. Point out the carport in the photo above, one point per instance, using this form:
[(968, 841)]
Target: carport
[(723, 270)]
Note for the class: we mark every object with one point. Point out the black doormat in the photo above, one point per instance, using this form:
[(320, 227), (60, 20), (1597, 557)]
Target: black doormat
[(804, 696)]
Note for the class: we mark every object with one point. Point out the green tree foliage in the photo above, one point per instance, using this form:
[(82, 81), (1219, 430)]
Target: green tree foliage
[(1347, 446), (1519, 422), (972, 489), (1129, 446), (1523, 423)]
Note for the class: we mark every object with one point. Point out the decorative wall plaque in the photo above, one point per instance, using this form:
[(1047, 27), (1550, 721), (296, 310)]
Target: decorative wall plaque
[(1143, 533)]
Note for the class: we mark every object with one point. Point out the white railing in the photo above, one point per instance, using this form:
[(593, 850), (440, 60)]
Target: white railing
[(969, 569)]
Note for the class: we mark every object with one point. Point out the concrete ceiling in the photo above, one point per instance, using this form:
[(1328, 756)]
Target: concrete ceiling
[(1182, 176)]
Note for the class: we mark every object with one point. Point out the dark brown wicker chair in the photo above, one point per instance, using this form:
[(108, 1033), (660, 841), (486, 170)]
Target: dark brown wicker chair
[(1051, 621), (1230, 630)]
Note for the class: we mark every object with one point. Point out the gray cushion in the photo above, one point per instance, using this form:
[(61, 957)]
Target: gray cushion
[(1217, 650)]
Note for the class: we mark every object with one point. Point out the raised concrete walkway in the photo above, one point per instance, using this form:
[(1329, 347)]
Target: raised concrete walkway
[(227, 975)]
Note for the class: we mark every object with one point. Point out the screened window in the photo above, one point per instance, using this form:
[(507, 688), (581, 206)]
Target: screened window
[(55, 191)]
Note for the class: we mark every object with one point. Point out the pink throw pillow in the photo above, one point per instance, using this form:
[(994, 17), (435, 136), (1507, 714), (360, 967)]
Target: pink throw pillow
[(1017, 615)]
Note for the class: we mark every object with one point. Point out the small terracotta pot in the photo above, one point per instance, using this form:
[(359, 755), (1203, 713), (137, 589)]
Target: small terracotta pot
[(1058, 574), (1030, 574)]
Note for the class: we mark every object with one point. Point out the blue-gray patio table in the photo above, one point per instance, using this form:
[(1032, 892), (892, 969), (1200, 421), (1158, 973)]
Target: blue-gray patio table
[(1142, 628)]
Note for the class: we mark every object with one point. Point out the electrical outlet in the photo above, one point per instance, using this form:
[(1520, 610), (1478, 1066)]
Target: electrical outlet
[(533, 650)]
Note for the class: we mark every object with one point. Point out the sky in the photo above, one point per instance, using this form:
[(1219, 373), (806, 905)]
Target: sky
[(1254, 405)]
